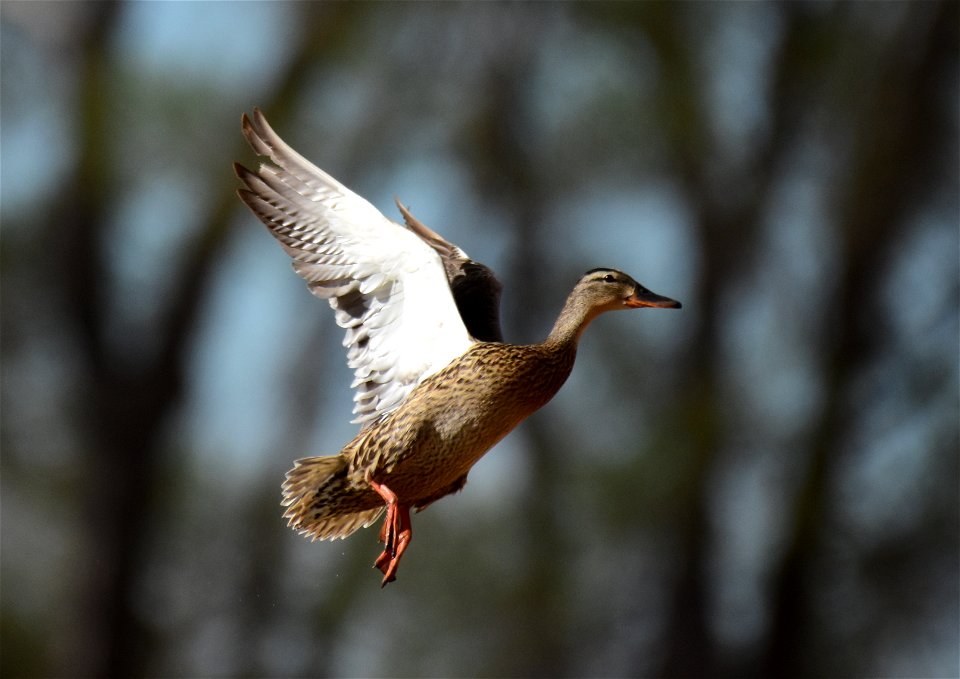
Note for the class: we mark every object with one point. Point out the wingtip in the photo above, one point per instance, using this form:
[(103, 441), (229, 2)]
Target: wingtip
[(249, 198), (247, 193), (404, 210), (249, 130), (261, 120)]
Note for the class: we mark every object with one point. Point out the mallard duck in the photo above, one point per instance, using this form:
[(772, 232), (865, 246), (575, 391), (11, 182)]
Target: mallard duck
[(436, 387)]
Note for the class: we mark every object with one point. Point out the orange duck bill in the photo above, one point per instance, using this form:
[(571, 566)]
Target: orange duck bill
[(642, 297)]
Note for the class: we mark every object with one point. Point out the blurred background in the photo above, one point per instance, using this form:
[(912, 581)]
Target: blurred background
[(762, 484)]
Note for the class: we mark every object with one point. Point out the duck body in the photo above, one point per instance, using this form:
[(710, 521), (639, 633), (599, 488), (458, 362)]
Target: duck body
[(424, 449), (457, 415), (436, 386)]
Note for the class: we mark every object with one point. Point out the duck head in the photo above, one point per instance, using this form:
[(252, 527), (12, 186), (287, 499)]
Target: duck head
[(597, 291), (609, 290)]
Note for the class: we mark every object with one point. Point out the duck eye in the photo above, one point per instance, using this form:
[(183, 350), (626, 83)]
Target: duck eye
[(609, 278)]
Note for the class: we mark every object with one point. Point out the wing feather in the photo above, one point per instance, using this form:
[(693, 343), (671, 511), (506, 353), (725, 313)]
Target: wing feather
[(387, 287), (475, 288)]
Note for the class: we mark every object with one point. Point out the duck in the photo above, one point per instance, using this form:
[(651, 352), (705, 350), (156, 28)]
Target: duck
[(435, 385)]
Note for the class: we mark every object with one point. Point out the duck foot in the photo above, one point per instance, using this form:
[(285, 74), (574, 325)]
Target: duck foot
[(395, 533)]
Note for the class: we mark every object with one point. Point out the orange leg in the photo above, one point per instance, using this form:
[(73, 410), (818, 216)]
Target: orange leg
[(395, 533)]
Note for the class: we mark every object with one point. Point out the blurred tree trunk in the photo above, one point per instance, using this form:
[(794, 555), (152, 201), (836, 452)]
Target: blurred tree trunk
[(726, 229), (896, 143), (124, 410), (118, 429)]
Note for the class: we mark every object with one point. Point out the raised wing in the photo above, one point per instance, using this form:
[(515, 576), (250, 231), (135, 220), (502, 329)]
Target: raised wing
[(476, 289), (386, 285)]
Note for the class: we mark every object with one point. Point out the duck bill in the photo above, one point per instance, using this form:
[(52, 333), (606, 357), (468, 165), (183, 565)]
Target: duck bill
[(642, 297)]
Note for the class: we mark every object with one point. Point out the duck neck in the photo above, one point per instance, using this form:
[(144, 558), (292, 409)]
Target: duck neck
[(573, 320)]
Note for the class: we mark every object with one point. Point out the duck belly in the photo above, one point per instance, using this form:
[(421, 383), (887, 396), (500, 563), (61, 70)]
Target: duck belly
[(444, 449)]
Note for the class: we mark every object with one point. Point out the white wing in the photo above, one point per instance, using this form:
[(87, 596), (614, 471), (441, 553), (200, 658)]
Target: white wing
[(387, 286)]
